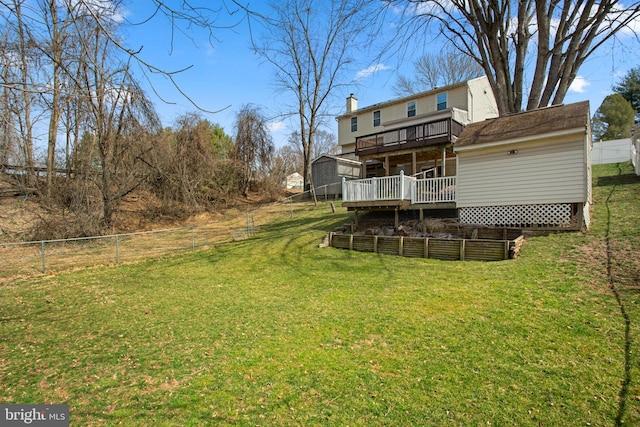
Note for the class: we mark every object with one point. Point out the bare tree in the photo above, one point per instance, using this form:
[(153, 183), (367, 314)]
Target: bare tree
[(119, 115), (253, 144), (309, 44), (56, 28), (502, 35), (23, 97), (324, 143), (436, 70)]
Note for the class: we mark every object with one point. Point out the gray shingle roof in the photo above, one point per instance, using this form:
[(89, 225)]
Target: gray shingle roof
[(530, 123)]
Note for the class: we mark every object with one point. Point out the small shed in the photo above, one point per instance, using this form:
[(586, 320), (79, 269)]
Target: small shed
[(327, 172), (294, 181), (531, 169)]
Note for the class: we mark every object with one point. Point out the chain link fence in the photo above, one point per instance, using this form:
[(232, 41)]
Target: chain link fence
[(26, 258)]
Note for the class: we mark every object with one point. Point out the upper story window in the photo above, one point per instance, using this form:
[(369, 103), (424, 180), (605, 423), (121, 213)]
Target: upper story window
[(411, 108), (376, 118), (354, 124), (442, 101)]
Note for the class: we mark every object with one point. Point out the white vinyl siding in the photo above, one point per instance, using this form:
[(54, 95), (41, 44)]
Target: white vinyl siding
[(458, 97), (481, 103), (536, 174)]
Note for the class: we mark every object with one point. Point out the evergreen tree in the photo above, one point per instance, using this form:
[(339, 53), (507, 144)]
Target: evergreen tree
[(629, 88), (613, 119)]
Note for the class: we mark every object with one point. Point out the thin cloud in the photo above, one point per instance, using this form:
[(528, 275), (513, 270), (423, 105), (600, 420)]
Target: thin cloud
[(276, 126), (371, 70), (579, 85)]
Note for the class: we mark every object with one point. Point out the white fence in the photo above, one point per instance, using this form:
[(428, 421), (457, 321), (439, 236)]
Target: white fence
[(400, 187), (614, 151)]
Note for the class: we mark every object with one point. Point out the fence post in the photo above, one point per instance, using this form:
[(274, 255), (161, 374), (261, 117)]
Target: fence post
[(44, 270), (117, 250), (193, 238)]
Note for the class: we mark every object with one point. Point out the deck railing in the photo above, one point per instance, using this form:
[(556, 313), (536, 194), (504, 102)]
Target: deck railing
[(435, 190), (397, 187), (423, 134), (400, 187)]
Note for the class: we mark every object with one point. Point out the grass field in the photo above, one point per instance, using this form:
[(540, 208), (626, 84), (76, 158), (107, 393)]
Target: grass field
[(276, 331)]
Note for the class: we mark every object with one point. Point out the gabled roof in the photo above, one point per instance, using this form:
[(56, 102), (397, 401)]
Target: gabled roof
[(337, 158), (535, 123)]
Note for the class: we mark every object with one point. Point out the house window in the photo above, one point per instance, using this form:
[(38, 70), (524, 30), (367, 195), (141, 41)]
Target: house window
[(442, 101), (376, 118), (354, 124), (411, 108)]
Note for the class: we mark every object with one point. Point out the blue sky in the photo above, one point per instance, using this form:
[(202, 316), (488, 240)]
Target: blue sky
[(225, 74)]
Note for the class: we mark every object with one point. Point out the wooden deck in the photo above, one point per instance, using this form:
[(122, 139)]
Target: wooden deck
[(431, 133), (401, 192)]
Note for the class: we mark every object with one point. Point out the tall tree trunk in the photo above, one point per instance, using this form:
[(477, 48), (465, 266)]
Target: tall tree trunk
[(54, 119), (27, 127)]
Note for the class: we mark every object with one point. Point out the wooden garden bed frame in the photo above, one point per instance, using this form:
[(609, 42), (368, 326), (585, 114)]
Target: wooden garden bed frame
[(453, 249)]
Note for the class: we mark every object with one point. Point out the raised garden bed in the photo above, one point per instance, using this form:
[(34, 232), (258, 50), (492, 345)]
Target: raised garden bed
[(453, 243)]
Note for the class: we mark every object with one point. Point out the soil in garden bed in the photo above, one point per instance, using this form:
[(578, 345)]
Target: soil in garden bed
[(441, 227)]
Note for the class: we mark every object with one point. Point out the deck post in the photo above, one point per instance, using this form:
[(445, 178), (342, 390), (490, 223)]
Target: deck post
[(374, 188), (414, 164), (397, 218)]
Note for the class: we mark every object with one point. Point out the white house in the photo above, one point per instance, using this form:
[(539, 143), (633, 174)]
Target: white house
[(531, 169), (415, 133), (294, 181)]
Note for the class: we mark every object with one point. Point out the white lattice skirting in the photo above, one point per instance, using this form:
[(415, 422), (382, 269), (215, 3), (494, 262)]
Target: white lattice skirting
[(518, 216)]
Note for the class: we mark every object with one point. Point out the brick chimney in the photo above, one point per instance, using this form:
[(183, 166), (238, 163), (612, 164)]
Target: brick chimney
[(352, 104)]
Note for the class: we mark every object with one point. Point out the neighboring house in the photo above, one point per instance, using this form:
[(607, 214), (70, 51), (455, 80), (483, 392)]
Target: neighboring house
[(413, 134), (531, 169), (328, 171), (294, 181), (612, 151)]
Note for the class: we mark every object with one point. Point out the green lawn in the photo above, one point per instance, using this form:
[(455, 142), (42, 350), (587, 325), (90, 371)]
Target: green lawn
[(276, 331)]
